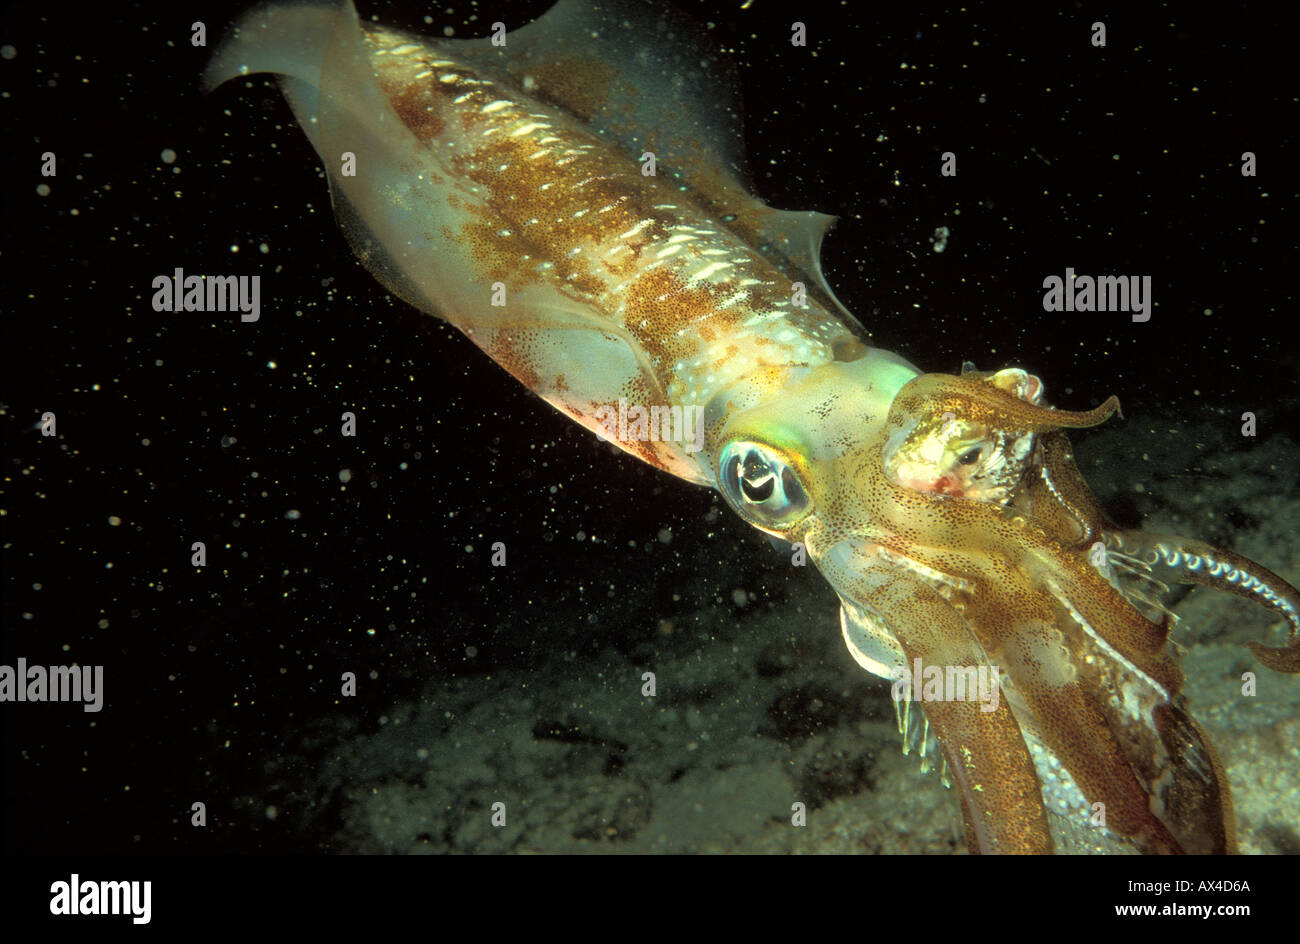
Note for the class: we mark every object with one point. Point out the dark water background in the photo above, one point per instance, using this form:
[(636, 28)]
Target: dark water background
[(1122, 160)]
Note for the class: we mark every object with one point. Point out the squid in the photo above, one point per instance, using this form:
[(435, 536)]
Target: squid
[(568, 195)]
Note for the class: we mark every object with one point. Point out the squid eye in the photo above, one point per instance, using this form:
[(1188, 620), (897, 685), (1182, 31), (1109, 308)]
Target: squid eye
[(761, 485), (759, 491), (970, 456)]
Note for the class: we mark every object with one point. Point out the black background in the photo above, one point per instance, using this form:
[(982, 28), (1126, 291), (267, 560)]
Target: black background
[(1122, 160)]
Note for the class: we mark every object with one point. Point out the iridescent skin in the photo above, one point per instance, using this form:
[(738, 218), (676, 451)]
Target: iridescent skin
[(502, 188)]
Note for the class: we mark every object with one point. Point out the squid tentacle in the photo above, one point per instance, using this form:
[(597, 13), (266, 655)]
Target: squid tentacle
[(989, 404), (1186, 561), (985, 750), (1061, 501), (1193, 789)]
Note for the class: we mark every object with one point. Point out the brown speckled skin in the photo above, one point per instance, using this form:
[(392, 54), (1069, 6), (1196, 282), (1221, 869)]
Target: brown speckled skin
[(1074, 647)]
